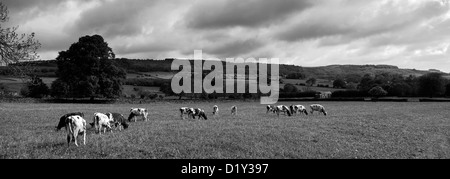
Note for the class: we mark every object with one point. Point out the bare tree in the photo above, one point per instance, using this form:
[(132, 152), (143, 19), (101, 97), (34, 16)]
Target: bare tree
[(16, 49)]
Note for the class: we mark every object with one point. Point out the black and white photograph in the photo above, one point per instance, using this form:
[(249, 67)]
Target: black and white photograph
[(224, 79)]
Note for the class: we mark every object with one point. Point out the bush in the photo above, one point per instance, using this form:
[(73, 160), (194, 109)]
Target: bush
[(153, 96), (348, 94), (36, 88), (377, 91), (290, 88), (339, 83), (24, 91)]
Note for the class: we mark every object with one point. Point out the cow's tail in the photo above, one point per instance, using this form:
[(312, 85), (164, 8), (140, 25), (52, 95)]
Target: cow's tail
[(70, 124)]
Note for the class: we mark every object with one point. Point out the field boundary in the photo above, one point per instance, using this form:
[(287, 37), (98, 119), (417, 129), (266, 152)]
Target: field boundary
[(144, 101)]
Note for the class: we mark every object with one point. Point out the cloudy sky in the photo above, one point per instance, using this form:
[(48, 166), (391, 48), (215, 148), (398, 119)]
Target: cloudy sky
[(406, 33)]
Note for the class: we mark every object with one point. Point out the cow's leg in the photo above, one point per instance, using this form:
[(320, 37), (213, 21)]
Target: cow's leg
[(68, 140), (75, 136), (84, 137)]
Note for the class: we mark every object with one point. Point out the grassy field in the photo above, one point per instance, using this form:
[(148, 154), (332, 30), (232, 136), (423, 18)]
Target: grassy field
[(351, 130)]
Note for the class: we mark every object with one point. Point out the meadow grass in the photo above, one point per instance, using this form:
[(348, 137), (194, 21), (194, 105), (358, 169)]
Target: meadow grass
[(351, 130)]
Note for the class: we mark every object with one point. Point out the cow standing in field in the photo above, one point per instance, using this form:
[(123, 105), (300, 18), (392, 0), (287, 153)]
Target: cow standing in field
[(234, 110), (318, 107), (270, 108), (200, 113), (102, 120), (215, 110), (134, 112), (291, 108), (284, 109), (75, 125), (190, 112), (63, 120), (299, 109), (119, 120)]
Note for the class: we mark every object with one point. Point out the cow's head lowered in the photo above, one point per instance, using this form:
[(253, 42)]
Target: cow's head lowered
[(203, 115)]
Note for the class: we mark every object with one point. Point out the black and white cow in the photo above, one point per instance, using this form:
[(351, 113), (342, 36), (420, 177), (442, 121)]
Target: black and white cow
[(284, 109), (200, 113), (270, 108), (299, 109), (190, 112), (233, 110), (134, 112), (75, 125), (215, 110), (118, 120), (318, 107), (102, 120), (63, 120)]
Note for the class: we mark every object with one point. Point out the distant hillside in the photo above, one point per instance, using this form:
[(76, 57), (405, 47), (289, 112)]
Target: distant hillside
[(325, 72), (343, 71)]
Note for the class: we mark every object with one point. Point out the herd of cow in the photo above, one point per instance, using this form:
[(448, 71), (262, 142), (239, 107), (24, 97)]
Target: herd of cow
[(75, 123)]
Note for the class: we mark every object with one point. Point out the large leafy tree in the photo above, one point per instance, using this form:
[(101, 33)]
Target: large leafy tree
[(339, 83), (431, 84), (15, 47), (311, 81), (87, 69)]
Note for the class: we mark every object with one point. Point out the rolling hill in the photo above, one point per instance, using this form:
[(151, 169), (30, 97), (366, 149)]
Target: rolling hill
[(160, 69), (48, 68)]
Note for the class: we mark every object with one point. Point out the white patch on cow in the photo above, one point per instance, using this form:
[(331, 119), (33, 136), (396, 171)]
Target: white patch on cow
[(75, 126)]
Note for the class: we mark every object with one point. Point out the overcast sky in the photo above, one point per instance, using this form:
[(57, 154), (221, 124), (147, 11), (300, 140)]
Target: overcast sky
[(405, 33)]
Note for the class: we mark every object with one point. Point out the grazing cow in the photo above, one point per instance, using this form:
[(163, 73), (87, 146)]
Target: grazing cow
[(284, 109), (63, 120), (318, 107), (75, 126), (215, 110), (200, 113), (138, 112), (271, 108), (291, 108), (233, 110), (102, 120), (118, 120), (299, 109), (188, 111)]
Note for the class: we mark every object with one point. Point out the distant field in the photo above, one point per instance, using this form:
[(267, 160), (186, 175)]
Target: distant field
[(15, 84), (129, 90), (351, 130), (315, 88)]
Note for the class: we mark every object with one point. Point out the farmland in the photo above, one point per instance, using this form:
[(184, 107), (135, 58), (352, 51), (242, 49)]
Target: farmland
[(351, 130)]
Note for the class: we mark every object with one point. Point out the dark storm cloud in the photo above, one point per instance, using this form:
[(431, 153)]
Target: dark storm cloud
[(234, 48), (111, 19), (350, 26), (19, 5), (251, 13), (141, 48)]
